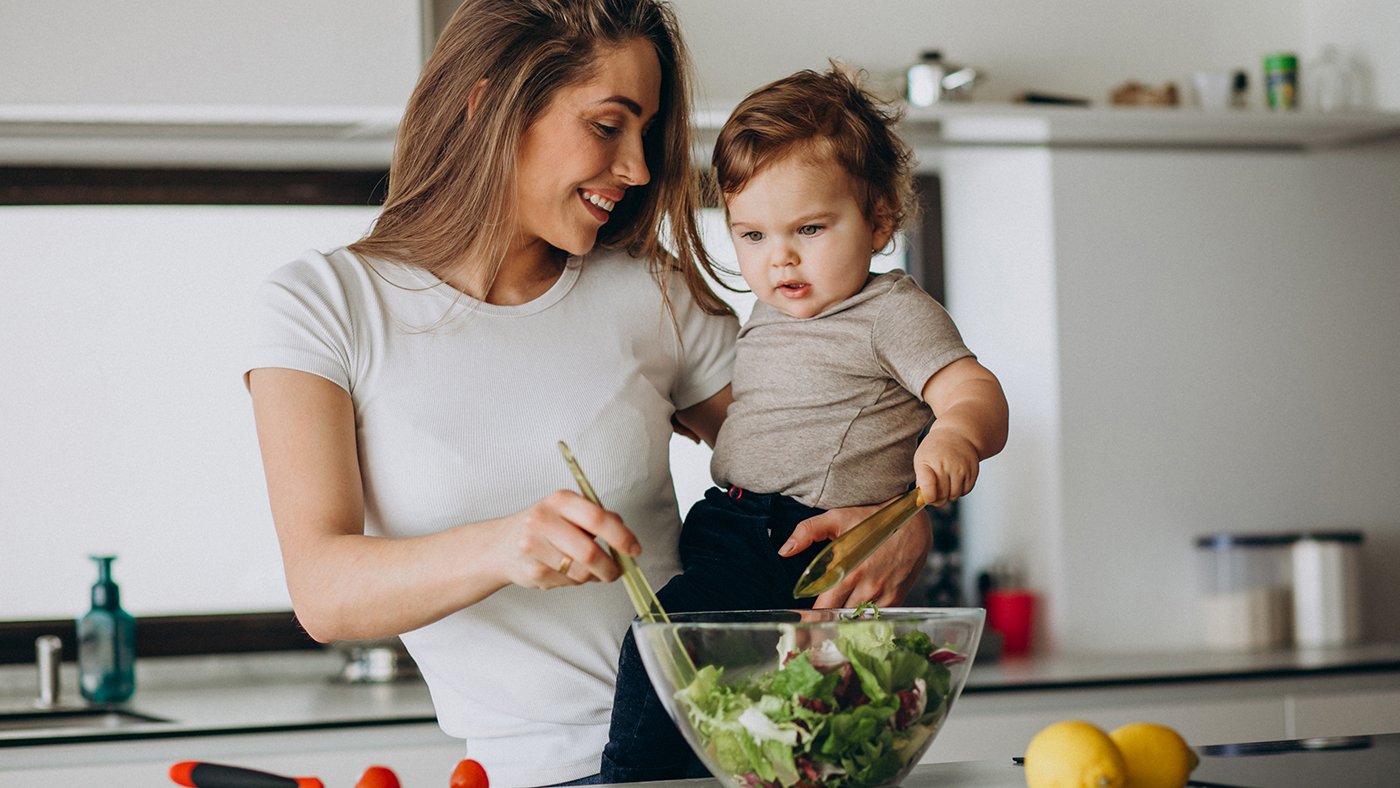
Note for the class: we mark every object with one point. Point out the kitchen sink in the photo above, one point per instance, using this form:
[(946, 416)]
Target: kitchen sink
[(70, 719)]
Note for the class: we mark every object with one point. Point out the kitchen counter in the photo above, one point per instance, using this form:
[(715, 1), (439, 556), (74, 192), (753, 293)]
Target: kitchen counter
[(285, 713), (264, 693), (296, 691), (1070, 671)]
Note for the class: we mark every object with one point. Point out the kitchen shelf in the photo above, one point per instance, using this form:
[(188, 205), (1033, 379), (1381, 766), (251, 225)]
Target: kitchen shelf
[(1041, 125), (363, 137), (253, 137)]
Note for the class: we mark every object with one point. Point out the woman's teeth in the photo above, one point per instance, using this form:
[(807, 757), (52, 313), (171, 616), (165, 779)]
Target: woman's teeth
[(605, 204)]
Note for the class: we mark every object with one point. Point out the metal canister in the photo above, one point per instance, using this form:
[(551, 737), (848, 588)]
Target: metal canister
[(1327, 588), (925, 80)]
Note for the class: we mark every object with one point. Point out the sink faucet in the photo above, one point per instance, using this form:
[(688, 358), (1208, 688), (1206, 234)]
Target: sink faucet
[(48, 652)]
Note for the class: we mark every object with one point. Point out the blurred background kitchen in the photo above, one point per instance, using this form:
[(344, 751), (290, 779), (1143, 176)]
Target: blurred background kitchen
[(1195, 313)]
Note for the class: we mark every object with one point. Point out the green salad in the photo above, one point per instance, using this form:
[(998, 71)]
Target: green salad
[(848, 713)]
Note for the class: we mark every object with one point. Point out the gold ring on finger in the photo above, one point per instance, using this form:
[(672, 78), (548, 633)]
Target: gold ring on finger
[(565, 564)]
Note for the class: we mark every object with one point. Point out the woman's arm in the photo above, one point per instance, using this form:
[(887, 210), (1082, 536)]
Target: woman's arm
[(348, 586), (703, 421)]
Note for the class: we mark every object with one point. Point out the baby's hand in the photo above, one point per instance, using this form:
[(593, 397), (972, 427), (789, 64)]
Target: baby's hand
[(945, 465)]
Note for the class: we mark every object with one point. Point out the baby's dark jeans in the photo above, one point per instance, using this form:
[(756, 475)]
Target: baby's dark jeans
[(729, 559)]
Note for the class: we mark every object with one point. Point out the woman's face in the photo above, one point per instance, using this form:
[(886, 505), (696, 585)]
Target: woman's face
[(578, 159)]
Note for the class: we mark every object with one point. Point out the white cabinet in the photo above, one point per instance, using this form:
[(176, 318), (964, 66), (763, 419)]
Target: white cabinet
[(174, 52), (999, 725), (420, 754), (307, 84)]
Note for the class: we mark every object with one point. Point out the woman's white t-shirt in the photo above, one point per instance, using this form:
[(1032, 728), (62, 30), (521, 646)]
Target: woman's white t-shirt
[(459, 408)]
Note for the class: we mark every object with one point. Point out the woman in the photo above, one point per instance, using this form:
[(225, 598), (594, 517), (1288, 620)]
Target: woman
[(513, 293)]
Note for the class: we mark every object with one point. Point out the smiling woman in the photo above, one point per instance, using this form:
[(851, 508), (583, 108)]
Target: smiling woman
[(410, 389)]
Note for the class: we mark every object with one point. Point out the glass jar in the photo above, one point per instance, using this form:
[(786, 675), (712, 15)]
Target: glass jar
[(1246, 590)]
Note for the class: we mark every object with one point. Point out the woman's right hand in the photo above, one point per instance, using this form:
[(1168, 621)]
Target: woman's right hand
[(348, 586), (552, 543)]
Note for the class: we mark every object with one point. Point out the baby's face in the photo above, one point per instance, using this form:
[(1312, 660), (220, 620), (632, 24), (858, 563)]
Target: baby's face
[(802, 241)]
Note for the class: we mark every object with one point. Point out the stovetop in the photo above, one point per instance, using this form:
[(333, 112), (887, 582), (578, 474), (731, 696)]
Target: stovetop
[(1332, 762)]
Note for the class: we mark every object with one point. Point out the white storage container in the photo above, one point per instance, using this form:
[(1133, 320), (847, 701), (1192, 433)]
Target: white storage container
[(1246, 590), (1327, 589)]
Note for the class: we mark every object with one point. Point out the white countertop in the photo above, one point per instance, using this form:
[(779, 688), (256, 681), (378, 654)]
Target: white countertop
[(229, 694), (1067, 671), (268, 693)]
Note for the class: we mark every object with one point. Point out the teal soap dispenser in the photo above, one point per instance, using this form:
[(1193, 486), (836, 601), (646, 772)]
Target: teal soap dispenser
[(106, 642)]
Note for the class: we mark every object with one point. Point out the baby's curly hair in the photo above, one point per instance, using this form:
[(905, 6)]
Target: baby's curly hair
[(820, 115)]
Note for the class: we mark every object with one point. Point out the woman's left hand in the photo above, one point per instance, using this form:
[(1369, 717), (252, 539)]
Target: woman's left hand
[(886, 576)]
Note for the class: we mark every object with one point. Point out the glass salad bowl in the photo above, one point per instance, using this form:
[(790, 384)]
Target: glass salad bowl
[(811, 698)]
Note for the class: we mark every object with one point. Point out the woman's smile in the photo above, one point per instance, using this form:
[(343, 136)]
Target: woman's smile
[(600, 202)]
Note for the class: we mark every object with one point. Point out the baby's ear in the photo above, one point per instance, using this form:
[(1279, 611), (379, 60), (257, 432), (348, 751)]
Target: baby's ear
[(883, 224)]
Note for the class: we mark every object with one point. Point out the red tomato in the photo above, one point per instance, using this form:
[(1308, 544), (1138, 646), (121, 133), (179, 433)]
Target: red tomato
[(378, 777), (469, 774)]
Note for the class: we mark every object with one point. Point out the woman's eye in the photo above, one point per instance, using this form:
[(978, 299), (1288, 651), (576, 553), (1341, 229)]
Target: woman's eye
[(604, 130), (809, 229)]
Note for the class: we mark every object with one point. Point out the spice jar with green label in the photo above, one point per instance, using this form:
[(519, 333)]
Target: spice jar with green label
[(1281, 81)]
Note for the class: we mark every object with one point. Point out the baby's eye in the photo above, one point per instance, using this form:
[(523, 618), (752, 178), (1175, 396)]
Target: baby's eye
[(809, 229), (752, 235)]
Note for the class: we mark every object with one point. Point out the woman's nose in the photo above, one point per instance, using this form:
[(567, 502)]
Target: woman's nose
[(631, 163)]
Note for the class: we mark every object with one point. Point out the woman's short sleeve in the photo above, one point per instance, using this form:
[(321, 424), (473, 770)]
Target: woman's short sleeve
[(707, 349), (302, 320)]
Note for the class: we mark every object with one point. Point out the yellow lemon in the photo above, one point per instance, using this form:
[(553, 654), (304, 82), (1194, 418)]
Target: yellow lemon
[(1157, 756), (1074, 754)]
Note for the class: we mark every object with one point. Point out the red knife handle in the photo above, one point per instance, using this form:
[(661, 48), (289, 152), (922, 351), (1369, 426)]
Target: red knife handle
[(194, 774)]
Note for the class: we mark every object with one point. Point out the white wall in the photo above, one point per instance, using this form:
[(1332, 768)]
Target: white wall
[(1367, 31), (1001, 280), (1223, 337), (1230, 357), (271, 52), (1076, 47), (126, 426)]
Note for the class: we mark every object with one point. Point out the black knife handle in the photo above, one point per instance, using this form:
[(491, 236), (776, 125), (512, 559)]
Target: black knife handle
[(194, 774)]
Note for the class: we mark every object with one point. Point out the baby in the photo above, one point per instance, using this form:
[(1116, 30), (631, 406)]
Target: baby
[(836, 375)]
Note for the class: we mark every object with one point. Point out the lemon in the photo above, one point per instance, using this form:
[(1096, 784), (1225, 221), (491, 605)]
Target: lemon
[(1157, 756), (1074, 754)]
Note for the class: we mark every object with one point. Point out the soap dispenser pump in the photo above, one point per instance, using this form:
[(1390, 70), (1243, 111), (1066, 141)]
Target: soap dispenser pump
[(106, 642)]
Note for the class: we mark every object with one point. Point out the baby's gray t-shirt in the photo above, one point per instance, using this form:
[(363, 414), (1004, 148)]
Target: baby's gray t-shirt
[(828, 409)]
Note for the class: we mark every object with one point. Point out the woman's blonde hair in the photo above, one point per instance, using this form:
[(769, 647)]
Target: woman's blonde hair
[(451, 202)]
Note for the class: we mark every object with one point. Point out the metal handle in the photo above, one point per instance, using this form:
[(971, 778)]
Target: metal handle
[(643, 597), (48, 652), (846, 551)]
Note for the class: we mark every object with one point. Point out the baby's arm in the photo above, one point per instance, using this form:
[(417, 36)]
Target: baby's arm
[(970, 426)]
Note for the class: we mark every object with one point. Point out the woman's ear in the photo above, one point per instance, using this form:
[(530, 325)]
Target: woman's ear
[(474, 99)]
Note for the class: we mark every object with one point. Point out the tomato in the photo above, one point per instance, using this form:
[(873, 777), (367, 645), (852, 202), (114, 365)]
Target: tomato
[(378, 777), (469, 774)]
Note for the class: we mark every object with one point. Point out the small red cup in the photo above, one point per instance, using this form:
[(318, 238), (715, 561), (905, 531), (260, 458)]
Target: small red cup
[(1011, 611)]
